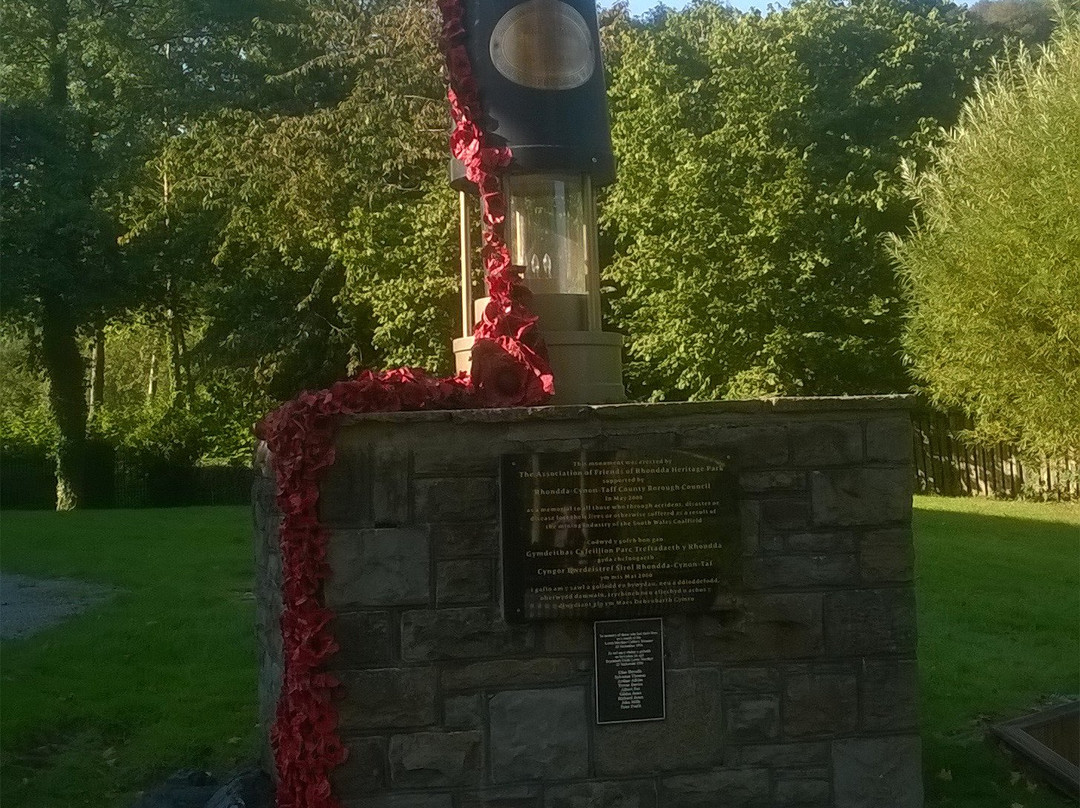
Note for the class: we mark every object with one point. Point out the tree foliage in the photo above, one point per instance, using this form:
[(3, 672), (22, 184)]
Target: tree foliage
[(89, 90), (253, 192), (325, 221), (246, 198), (993, 266), (27, 423), (758, 171)]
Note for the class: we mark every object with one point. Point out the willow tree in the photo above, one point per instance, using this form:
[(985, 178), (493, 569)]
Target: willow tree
[(993, 264)]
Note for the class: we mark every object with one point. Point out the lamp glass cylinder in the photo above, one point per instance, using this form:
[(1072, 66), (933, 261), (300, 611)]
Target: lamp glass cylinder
[(549, 218)]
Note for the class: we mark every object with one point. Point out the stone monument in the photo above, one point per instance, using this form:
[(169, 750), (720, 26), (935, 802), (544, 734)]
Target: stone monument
[(607, 604), (791, 681)]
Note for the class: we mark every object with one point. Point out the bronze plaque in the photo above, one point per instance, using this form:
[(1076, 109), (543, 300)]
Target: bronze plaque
[(617, 534)]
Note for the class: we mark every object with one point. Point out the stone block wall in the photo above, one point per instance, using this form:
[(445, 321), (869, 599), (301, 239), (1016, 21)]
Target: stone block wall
[(799, 689)]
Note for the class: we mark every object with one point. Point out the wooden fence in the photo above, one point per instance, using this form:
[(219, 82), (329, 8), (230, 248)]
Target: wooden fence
[(947, 464)]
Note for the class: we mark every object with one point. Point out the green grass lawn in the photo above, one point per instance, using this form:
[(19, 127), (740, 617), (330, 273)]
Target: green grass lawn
[(999, 632), (161, 678), (164, 676)]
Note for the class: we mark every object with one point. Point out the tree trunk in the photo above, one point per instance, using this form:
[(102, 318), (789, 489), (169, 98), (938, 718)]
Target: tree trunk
[(185, 363), (183, 385), (67, 397), (176, 347), (59, 344), (97, 370), (151, 383)]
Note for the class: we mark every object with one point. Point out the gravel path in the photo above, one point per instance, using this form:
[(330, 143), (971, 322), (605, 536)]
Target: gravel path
[(29, 605)]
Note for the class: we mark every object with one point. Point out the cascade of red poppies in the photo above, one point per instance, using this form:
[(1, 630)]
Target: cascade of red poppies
[(509, 359), (509, 368)]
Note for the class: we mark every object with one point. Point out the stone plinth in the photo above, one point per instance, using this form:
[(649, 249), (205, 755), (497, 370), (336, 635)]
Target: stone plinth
[(798, 689)]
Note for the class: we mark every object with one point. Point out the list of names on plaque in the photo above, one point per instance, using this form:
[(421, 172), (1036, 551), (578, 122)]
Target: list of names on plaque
[(629, 658), (615, 534)]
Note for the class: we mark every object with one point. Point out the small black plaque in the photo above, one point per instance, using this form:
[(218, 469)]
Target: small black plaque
[(629, 670), (616, 534)]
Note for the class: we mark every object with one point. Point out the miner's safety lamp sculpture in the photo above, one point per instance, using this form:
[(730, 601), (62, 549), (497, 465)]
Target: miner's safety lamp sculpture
[(538, 70)]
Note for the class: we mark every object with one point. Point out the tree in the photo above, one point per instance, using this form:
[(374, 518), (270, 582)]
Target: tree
[(326, 217), (759, 167), (270, 194), (59, 260), (88, 90), (992, 267)]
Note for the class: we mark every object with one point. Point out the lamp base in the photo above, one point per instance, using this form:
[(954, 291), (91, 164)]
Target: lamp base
[(587, 365)]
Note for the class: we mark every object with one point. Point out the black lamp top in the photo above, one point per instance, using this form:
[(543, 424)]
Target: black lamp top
[(540, 78)]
